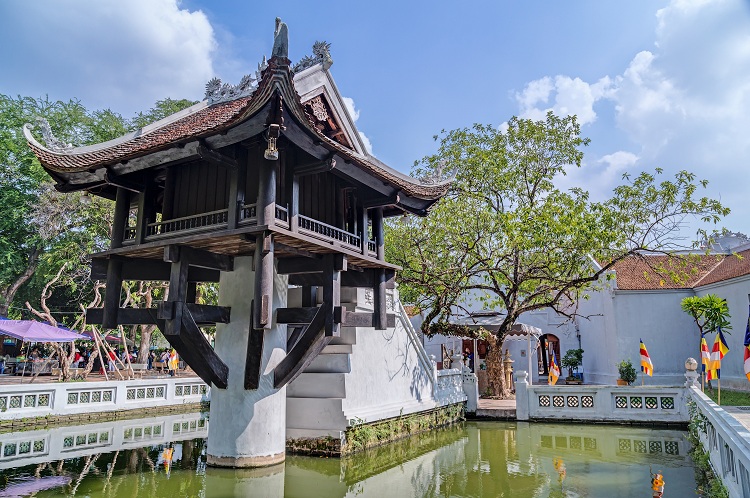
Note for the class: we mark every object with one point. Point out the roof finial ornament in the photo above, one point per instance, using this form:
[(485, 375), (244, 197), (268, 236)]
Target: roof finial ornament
[(321, 55), (280, 40), (53, 143)]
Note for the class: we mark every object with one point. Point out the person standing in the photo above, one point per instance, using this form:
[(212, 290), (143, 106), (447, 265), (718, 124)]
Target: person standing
[(173, 362)]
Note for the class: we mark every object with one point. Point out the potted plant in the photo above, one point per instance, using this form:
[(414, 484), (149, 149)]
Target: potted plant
[(627, 373), (572, 360)]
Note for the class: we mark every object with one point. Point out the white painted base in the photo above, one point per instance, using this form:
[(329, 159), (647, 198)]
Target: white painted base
[(247, 427)]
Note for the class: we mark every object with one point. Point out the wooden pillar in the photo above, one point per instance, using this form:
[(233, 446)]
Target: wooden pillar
[(264, 253), (178, 288), (237, 181), (381, 318), (266, 206), (377, 231), (309, 296), (335, 264), (122, 209), (145, 205), (363, 222), (112, 295)]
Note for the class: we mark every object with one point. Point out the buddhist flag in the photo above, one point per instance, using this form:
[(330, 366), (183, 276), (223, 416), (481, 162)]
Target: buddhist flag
[(705, 355), (747, 348), (747, 331), (717, 354), (554, 371), (646, 366)]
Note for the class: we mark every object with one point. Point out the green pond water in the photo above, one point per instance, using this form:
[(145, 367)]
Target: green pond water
[(131, 458)]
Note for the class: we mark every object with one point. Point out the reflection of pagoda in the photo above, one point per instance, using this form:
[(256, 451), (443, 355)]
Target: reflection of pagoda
[(273, 167)]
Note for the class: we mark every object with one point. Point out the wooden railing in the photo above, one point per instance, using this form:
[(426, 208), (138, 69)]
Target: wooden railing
[(185, 224), (129, 234), (248, 215), (319, 228), (282, 215)]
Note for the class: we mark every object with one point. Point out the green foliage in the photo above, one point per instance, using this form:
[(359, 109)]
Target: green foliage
[(40, 228), (573, 359), (506, 235), (362, 435), (627, 371), (708, 483), (710, 312)]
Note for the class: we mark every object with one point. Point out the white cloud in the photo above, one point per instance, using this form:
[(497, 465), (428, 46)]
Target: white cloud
[(683, 103), (354, 113), (123, 55), (571, 96)]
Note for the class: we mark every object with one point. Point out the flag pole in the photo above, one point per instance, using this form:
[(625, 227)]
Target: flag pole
[(719, 381)]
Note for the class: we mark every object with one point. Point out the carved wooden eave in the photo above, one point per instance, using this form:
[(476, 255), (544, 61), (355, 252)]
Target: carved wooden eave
[(176, 139)]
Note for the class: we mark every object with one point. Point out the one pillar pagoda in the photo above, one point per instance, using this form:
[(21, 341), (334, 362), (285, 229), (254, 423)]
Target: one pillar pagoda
[(261, 186)]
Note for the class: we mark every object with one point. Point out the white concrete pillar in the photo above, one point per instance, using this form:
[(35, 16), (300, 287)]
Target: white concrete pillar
[(522, 395), (247, 427)]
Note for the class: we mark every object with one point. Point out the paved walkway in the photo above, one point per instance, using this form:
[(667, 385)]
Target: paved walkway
[(504, 409), (13, 380)]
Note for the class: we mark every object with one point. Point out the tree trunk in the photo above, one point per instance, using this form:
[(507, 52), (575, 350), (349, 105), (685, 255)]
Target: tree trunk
[(145, 344), (10, 292), (496, 369)]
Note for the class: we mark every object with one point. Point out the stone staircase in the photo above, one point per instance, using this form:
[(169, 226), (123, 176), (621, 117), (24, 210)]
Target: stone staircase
[(314, 406)]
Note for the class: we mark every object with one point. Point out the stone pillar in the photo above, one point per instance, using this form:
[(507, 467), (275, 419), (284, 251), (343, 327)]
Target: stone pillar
[(471, 389), (248, 427), (522, 395)]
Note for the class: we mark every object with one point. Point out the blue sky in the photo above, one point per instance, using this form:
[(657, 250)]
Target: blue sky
[(656, 83)]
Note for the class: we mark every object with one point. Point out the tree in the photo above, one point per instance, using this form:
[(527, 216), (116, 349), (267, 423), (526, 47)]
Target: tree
[(507, 236), (710, 313), (43, 230)]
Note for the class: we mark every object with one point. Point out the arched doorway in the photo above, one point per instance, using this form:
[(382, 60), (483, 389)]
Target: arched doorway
[(549, 343)]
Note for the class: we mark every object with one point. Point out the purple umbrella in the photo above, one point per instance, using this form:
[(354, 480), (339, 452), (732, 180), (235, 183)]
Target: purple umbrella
[(32, 331), (32, 486)]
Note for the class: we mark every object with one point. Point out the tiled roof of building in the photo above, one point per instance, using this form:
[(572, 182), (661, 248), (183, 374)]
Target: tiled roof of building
[(656, 272), (206, 120)]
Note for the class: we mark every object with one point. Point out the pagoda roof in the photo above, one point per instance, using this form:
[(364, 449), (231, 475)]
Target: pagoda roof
[(224, 122)]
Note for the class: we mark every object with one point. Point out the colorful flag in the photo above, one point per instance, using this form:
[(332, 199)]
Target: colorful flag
[(646, 366), (705, 355), (554, 371), (717, 354), (747, 362), (747, 331)]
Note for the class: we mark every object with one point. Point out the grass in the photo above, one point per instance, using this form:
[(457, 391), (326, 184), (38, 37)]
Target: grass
[(729, 397)]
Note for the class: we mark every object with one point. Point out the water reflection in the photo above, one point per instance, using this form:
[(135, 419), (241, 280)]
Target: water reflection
[(165, 456)]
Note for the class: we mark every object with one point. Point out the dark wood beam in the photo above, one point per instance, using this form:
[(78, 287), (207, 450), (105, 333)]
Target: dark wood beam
[(191, 335), (377, 232), (112, 294), (177, 295), (381, 201), (294, 337), (285, 248), (202, 313), (316, 167), (119, 182), (303, 316), (216, 158), (296, 266), (254, 358), (310, 344), (365, 278), (149, 269), (332, 293), (198, 257)]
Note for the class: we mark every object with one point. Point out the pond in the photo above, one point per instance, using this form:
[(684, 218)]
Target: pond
[(165, 456)]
